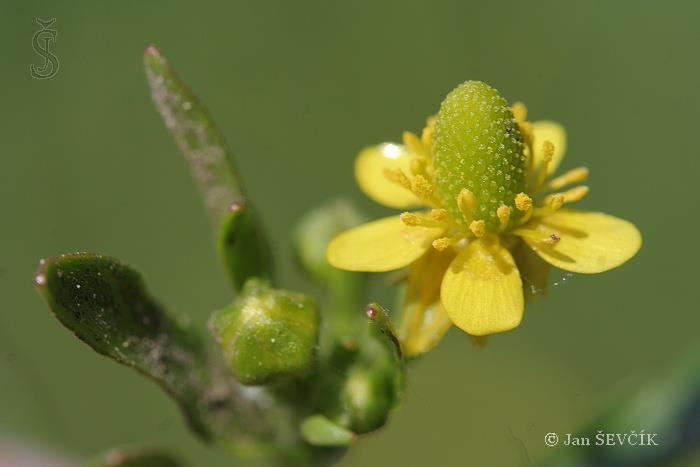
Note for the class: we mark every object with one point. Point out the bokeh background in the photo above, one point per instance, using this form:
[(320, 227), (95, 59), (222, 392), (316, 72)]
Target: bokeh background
[(298, 88)]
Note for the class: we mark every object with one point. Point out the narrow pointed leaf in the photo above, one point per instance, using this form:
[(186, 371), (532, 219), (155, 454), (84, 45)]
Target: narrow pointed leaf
[(241, 249), (241, 244)]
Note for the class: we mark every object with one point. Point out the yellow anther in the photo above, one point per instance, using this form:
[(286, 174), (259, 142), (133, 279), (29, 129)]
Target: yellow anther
[(442, 244), (439, 214), (555, 202), (503, 213), (576, 175), (411, 219), (523, 202), (568, 196), (413, 143), (422, 188), (418, 165), (397, 176), (466, 201), (547, 154), (427, 135), (519, 112), (478, 228)]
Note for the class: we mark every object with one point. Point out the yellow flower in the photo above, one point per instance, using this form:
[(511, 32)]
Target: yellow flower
[(492, 213)]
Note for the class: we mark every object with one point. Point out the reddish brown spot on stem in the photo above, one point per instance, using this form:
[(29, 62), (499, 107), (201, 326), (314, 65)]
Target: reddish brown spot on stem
[(235, 206), (372, 313)]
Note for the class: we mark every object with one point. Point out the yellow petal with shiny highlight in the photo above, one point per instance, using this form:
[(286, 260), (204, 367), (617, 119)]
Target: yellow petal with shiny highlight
[(590, 242), (369, 173), (546, 130), (381, 245), (424, 321), (481, 291)]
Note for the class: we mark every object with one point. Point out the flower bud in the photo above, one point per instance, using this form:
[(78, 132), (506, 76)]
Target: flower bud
[(267, 333)]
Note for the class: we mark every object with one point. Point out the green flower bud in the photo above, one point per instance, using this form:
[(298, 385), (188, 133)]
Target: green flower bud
[(367, 397), (267, 333), (477, 146), (375, 380)]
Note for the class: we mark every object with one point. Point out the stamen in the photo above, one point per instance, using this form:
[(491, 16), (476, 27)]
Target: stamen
[(439, 214), (422, 188), (527, 131), (442, 244), (523, 202), (575, 194), (413, 143), (466, 201), (576, 175), (519, 112), (568, 196), (503, 213), (411, 219), (397, 176), (478, 228), (418, 165), (427, 135), (555, 202), (547, 154)]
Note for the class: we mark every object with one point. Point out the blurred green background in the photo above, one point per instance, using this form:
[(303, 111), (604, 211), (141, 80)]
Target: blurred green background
[(298, 88)]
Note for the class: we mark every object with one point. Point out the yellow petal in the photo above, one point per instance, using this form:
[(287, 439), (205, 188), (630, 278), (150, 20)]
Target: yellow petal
[(534, 271), (424, 321), (590, 242), (381, 245), (369, 173), (546, 130), (481, 291)]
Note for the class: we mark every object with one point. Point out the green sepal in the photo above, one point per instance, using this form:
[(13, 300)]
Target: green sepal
[(134, 458), (268, 334), (241, 244), (320, 431)]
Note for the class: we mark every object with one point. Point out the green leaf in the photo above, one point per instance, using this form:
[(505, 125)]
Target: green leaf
[(134, 458), (268, 334), (105, 304), (243, 252), (241, 243), (320, 431)]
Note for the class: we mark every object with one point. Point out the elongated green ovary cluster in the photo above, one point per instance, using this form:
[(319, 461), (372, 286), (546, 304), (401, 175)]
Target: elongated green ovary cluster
[(475, 166)]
